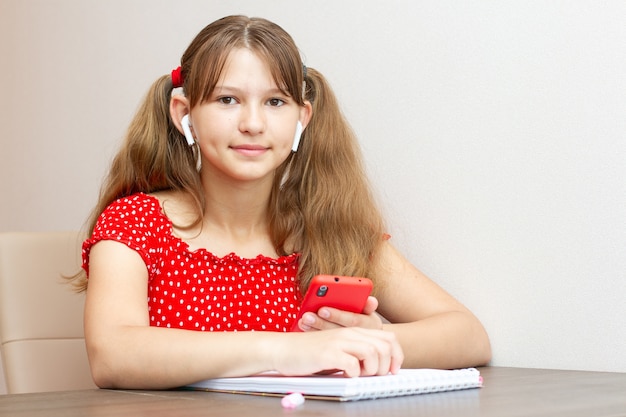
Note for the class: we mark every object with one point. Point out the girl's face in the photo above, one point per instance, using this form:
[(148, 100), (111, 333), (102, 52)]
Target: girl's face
[(246, 129)]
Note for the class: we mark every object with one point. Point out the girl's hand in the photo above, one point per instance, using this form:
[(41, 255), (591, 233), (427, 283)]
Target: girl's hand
[(355, 351), (331, 318)]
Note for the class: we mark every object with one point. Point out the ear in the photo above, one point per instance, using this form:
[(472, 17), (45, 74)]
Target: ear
[(306, 112), (179, 107)]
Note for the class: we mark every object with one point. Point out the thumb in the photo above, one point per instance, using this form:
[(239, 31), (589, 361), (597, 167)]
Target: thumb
[(370, 305)]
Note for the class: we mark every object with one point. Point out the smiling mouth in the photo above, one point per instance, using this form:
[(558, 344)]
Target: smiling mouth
[(250, 150)]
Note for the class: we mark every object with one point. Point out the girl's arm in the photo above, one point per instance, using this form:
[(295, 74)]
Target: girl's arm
[(433, 328), (125, 352)]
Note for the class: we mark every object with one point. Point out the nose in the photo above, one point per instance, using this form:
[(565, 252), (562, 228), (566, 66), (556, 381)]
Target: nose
[(252, 120)]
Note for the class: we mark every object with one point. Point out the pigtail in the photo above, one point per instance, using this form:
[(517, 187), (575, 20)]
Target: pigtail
[(330, 211), (154, 156)]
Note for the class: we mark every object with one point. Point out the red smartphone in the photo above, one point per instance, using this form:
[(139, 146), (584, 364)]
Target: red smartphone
[(344, 293)]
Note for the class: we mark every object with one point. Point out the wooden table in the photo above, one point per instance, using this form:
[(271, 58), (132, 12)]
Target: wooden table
[(506, 392)]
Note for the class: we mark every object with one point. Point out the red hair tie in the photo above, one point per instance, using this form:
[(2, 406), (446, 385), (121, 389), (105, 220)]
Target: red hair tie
[(177, 78)]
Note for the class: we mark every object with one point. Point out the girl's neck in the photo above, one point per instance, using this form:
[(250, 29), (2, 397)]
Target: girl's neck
[(236, 205), (235, 218)]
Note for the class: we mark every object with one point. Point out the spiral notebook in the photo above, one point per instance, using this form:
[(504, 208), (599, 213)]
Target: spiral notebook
[(339, 388)]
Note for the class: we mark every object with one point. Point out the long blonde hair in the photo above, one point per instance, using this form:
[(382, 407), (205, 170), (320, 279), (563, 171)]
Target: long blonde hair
[(321, 205)]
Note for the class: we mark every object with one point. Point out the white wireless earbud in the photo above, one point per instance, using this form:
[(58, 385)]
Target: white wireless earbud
[(297, 136), (187, 130)]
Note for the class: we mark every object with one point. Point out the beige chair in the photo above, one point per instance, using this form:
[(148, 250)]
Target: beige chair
[(42, 344)]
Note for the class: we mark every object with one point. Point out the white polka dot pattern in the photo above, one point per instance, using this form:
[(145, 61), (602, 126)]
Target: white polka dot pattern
[(198, 290)]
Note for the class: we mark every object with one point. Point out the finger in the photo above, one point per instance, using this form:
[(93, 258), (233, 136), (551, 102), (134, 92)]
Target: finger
[(371, 305), (329, 316), (380, 361), (351, 366), (373, 349), (389, 355), (304, 327), (311, 321), (396, 355), (396, 361), (341, 358), (384, 359), (370, 360)]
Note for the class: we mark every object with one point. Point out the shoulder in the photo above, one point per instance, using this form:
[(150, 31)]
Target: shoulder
[(133, 204), (135, 221), (136, 214)]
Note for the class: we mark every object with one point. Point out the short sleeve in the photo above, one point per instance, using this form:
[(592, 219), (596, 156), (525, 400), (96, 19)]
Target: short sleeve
[(135, 221)]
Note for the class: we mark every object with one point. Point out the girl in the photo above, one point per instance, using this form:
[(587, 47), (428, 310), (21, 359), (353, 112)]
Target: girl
[(221, 206)]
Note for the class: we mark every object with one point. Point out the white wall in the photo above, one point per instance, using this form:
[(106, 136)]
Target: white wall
[(494, 132)]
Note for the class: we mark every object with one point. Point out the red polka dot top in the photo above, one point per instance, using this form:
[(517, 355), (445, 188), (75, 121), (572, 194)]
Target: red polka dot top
[(198, 290)]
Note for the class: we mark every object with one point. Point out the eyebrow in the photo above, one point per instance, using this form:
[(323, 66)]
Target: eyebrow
[(221, 89)]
